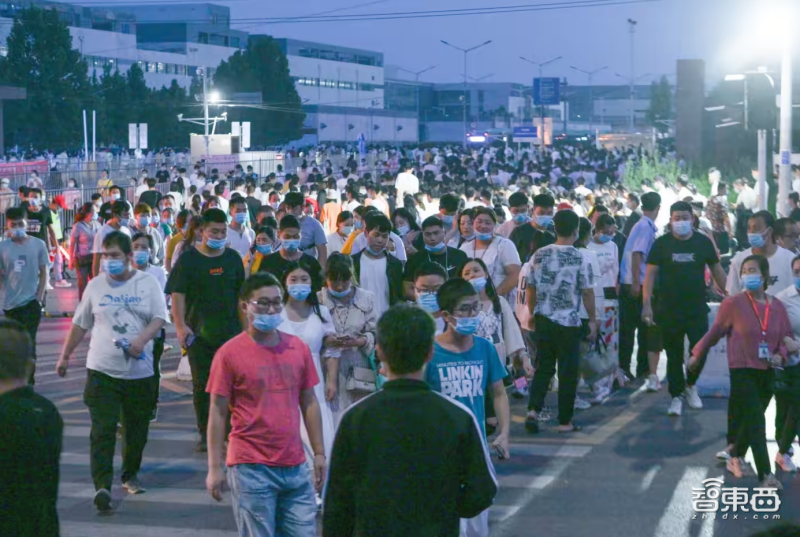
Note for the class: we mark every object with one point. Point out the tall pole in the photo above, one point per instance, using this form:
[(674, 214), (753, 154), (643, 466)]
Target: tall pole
[(785, 177), (94, 135), (541, 66), (632, 28), (85, 138), (205, 113), (762, 170), (466, 51), (590, 74)]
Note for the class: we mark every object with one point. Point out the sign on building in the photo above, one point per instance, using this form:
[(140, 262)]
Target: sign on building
[(546, 91), (137, 135), (526, 134)]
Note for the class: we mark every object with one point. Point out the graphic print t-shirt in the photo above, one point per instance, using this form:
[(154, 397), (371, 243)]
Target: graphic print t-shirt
[(560, 274), (114, 310), (465, 376)]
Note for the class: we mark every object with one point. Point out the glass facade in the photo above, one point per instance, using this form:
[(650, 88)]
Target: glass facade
[(305, 81)]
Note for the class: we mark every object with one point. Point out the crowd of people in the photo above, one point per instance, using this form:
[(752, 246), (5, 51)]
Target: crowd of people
[(334, 321)]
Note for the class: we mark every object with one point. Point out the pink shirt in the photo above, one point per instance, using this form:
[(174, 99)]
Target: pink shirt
[(737, 320), (264, 386)]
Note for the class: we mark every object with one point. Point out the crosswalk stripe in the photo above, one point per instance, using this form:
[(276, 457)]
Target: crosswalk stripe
[(538, 450), (96, 529), (148, 464), (173, 436), (677, 517), (153, 495)]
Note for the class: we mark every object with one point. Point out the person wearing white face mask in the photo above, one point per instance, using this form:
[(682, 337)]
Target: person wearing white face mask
[(120, 217), (677, 261), (498, 253), (519, 205), (240, 237), (760, 234), (344, 227), (143, 218), (436, 251)]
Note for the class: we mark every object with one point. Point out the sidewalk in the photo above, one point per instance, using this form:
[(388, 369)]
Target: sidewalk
[(62, 302)]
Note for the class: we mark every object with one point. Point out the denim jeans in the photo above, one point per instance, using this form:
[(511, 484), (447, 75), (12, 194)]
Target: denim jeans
[(269, 501)]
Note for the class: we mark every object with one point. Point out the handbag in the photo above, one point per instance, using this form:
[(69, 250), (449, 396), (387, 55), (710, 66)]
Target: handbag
[(597, 362), (361, 379)]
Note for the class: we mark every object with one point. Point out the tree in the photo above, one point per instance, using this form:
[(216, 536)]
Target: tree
[(263, 68), (41, 59), (660, 104)]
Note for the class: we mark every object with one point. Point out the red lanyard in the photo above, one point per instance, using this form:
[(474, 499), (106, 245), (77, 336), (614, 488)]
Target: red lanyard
[(766, 315)]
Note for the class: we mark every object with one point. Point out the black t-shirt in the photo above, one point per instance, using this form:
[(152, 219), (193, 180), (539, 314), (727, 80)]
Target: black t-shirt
[(253, 205), (450, 258), (30, 450), (151, 198), (681, 276), (38, 222), (276, 265), (162, 176), (211, 286), (528, 239), (795, 214)]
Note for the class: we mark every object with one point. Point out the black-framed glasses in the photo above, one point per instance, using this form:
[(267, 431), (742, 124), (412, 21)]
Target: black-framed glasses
[(467, 310), (266, 305)]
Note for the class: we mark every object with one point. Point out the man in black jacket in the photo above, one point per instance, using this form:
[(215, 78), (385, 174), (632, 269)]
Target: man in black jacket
[(406, 460)]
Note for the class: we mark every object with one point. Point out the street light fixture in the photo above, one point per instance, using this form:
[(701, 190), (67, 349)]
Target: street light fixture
[(416, 79), (590, 74), (465, 51)]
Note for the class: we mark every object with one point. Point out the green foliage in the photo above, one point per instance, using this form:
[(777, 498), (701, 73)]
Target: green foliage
[(647, 168), (263, 68), (660, 104)]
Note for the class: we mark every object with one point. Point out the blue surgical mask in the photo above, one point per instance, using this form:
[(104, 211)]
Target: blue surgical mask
[(264, 249), (216, 244), (240, 218), (124, 222), (291, 245), (428, 301), (373, 252), (756, 240), (169, 221), (447, 220), (484, 236), (115, 267), (156, 218), (521, 218), (141, 257), (682, 227), (347, 230), (358, 224), (796, 282), (403, 230), (299, 291), (35, 202), (17, 233), (339, 294), (266, 322), (438, 248), (605, 238), (752, 282), (544, 220), (479, 284), (144, 221), (466, 326)]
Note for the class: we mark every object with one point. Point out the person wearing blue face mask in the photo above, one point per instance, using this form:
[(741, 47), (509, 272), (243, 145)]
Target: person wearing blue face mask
[(82, 245), (120, 217), (519, 206), (436, 251), (204, 285), (499, 254), (539, 232), (289, 235), (240, 236), (428, 278), (676, 264), (264, 246), (456, 349), (121, 381), (142, 223)]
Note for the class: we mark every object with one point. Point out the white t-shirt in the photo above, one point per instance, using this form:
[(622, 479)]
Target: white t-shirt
[(241, 242), (159, 273), (780, 271), (608, 260), (592, 258), (560, 274), (500, 254), (373, 279), (335, 243), (360, 243), (114, 310), (406, 183)]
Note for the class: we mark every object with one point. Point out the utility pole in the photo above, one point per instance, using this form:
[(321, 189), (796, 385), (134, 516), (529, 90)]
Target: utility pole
[(416, 79), (466, 51), (590, 74), (632, 29), (785, 175)]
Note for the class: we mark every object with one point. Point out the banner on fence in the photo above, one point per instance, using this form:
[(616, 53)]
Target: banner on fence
[(20, 168)]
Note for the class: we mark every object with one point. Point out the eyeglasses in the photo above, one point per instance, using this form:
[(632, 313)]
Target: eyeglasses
[(266, 305), (423, 291), (468, 311)]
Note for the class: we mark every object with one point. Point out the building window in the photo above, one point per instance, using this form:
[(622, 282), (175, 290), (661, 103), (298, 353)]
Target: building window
[(309, 52), (327, 55), (202, 37), (125, 28), (151, 67), (235, 42), (180, 70)]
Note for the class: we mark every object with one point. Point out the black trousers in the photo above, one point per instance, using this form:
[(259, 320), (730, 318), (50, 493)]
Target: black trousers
[(29, 316), (556, 344), (787, 406), (158, 352), (751, 391), (201, 353), (109, 400), (674, 332), (630, 326)]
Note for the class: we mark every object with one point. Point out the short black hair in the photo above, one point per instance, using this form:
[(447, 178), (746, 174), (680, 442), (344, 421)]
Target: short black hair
[(683, 206), (604, 220), (518, 199), (339, 267), (378, 222), (634, 198), (289, 221), (566, 222), (651, 201), (119, 207), (781, 226), (119, 239), (256, 281), (769, 220), (477, 211), (432, 221), (545, 201), (403, 354), (138, 236), (449, 202), (430, 268), (16, 213), (294, 199), (214, 216), (16, 360), (453, 291)]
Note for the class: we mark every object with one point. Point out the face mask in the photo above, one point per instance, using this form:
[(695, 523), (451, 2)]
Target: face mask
[(124, 222), (484, 236), (605, 238), (169, 221), (240, 218), (95, 216), (347, 230), (264, 249), (438, 248), (216, 244), (479, 284), (339, 294), (299, 291), (98, 205), (35, 202), (403, 230), (448, 220), (466, 326), (756, 240), (544, 220), (156, 218), (17, 233), (115, 197), (428, 301), (115, 267), (373, 252), (796, 282), (752, 282), (291, 245), (358, 224), (141, 257), (144, 221), (266, 322), (521, 219), (682, 228)]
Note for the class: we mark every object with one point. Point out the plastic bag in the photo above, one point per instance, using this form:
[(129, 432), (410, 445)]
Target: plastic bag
[(597, 360), (184, 371)]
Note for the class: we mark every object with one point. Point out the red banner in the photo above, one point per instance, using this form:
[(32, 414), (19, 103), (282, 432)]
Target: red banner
[(20, 168)]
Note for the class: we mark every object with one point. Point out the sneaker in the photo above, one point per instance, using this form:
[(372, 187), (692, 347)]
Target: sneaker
[(168, 347), (653, 384), (554, 384), (102, 500), (600, 395), (154, 414), (133, 486), (785, 462), (693, 398), (771, 482), (724, 455), (48, 287), (63, 284), (734, 466), (582, 404), (676, 407), (201, 446)]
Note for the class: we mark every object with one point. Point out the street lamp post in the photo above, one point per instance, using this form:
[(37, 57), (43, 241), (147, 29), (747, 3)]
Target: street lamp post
[(541, 66), (416, 79), (590, 74), (785, 176), (466, 51), (632, 29)]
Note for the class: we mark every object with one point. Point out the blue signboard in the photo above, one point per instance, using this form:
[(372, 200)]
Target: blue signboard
[(546, 91), (522, 134)]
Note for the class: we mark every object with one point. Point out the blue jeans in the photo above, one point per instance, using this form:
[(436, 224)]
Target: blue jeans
[(270, 501)]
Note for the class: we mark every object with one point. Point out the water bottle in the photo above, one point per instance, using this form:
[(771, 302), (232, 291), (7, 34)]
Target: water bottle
[(125, 345)]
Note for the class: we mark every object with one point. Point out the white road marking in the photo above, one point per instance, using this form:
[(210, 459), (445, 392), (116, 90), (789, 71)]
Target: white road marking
[(648, 478), (96, 529), (677, 517)]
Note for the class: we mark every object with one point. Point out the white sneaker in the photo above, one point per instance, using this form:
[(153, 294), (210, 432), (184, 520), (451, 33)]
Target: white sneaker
[(676, 407), (600, 395), (771, 482), (785, 462), (63, 284), (653, 384), (48, 287), (554, 384), (723, 455), (693, 398), (582, 404), (734, 466)]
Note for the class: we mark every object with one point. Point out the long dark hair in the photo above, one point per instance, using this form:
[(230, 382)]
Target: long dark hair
[(191, 234), (406, 214), (491, 292), (84, 211), (312, 299)]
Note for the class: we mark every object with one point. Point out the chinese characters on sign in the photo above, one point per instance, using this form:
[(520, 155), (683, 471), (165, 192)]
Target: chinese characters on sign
[(734, 502)]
